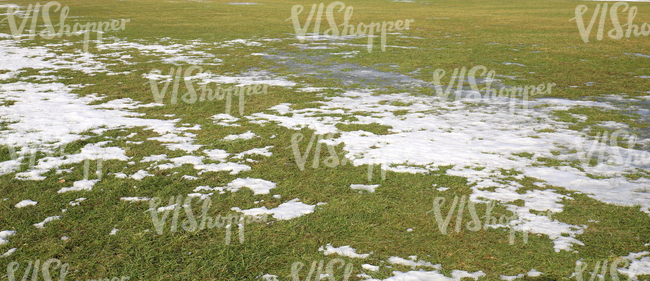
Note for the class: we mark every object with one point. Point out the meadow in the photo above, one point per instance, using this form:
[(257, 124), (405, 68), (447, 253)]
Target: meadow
[(297, 140)]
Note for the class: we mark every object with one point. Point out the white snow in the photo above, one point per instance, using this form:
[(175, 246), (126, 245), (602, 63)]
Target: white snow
[(141, 174), (258, 186), (285, 211), (135, 199), (413, 263), (534, 273), (434, 133), (86, 185), (4, 234), (264, 151), (245, 136), (41, 225), (342, 251), (369, 188), (25, 203), (9, 252), (433, 275)]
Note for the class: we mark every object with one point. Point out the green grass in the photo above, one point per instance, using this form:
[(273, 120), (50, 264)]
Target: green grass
[(369, 222)]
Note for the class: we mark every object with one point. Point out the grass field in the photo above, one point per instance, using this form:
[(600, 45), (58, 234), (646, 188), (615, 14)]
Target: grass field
[(341, 158)]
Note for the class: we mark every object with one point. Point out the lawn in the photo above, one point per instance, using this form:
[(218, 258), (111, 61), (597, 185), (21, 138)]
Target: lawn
[(226, 140)]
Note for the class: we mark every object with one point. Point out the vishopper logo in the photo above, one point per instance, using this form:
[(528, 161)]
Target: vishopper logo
[(206, 92), (46, 269), (190, 224), (348, 29), (64, 29), (475, 224), (458, 78), (616, 154), (17, 157), (317, 273), (331, 161), (615, 33), (613, 270)]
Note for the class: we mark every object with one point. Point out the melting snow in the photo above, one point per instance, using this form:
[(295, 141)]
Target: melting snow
[(342, 251), (25, 203), (285, 211), (369, 188), (41, 225)]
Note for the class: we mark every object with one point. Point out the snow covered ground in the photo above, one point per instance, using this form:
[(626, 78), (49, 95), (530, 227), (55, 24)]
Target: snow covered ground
[(41, 113)]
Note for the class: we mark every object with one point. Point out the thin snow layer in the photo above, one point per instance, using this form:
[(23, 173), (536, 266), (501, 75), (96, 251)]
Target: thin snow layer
[(4, 234), (370, 267), (264, 151), (25, 203), (86, 185), (46, 116), (244, 136), (534, 273), (269, 277), (170, 52), (41, 225), (197, 161), (225, 120), (261, 77), (248, 78), (76, 202), (9, 252), (285, 211), (258, 186), (369, 188), (511, 278), (154, 158), (433, 275), (342, 251), (639, 264), (135, 199), (16, 59), (478, 141), (412, 263), (141, 174)]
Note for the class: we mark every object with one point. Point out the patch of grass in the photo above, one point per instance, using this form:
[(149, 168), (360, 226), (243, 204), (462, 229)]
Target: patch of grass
[(374, 128)]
